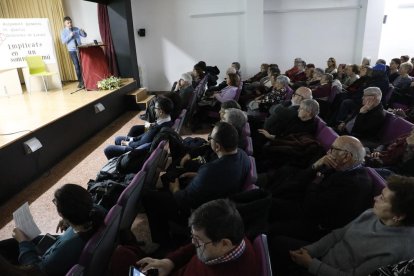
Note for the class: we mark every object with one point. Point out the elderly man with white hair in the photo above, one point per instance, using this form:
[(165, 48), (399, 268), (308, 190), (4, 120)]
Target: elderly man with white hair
[(366, 124), (309, 203)]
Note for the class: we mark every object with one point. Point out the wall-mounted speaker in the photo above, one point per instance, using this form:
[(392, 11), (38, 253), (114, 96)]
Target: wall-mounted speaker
[(141, 32), (32, 145), (99, 108)]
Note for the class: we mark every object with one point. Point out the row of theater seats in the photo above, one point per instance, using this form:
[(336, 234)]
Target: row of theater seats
[(96, 255)]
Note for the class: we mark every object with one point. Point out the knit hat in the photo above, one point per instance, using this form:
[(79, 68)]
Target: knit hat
[(379, 67), (187, 77)]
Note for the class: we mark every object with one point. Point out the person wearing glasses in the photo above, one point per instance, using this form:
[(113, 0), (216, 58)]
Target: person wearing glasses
[(309, 203), (218, 247), (80, 219), (219, 178), (378, 237)]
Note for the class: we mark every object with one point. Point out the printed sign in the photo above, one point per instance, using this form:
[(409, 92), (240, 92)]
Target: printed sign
[(21, 37)]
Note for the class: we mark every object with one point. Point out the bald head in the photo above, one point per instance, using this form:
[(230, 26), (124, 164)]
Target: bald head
[(302, 93), (353, 146)]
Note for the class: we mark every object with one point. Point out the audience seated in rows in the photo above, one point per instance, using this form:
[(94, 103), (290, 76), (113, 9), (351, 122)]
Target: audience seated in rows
[(378, 237), (217, 179), (142, 134)]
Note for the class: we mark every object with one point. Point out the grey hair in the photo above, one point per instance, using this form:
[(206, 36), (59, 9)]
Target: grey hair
[(235, 117), (310, 106), (356, 148), (283, 80), (318, 71), (407, 66), (373, 91)]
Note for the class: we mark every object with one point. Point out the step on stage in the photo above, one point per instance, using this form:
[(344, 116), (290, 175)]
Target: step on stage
[(38, 129)]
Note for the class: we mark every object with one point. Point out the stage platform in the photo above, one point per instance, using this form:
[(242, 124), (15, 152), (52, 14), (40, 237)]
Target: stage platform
[(60, 119)]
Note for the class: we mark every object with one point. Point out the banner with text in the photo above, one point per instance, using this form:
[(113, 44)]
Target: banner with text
[(21, 37)]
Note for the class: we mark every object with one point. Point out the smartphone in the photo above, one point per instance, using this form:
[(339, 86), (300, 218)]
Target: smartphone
[(44, 244), (133, 271)]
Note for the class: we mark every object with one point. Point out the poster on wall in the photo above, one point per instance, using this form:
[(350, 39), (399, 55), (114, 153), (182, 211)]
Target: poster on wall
[(21, 37)]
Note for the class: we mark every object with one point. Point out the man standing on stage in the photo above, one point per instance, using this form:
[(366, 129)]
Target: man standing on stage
[(71, 37)]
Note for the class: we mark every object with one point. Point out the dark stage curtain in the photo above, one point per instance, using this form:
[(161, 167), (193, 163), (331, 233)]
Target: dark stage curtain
[(106, 36)]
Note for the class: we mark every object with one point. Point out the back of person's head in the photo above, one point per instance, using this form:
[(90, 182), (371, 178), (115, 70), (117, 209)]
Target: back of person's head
[(273, 70), (328, 77), (235, 117), (220, 220), (311, 106), (282, 79), (310, 65), (226, 136), (405, 58), (230, 104), (381, 61), (403, 200), (202, 65), (397, 61), (165, 104), (236, 65), (233, 79), (187, 77), (74, 203), (408, 66)]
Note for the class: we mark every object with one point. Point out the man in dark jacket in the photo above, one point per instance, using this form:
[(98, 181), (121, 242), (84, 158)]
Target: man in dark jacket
[(309, 203)]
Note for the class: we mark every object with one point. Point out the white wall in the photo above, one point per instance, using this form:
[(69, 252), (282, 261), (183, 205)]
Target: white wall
[(84, 15), (397, 38), (182, 32)]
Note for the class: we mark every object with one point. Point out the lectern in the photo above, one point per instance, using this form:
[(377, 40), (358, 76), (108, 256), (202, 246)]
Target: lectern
[(94, 65)]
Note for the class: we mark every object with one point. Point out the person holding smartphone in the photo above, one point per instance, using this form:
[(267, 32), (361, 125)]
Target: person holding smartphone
[(71, 37)]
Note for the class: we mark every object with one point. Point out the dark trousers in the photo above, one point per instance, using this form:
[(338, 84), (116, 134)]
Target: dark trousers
[(75, 60), (282, 264), (162, 210)]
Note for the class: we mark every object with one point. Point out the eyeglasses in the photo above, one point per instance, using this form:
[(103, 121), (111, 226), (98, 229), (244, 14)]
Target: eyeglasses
[(209, 138), (198, 243), (338, 149), (54, 201), (298, 95)]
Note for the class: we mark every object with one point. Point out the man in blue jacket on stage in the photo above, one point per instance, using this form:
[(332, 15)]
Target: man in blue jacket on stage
[(71, 37)]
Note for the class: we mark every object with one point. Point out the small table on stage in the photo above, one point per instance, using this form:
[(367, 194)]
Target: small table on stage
[(94, 65)]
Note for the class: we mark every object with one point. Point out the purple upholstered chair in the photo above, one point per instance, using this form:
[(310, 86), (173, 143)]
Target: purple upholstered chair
[(151, 168), (181, 117), (394, 127), (252, 177), (261, 248), (249, 146), (326, 137), (377, 180), (321, 124), (162, 162), (98, 250), (129, 201), (246, 130)]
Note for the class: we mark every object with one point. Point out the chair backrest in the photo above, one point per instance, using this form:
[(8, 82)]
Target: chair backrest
[(334, 91), (246, 129), (377, 180), (262, 251), (150, 167), (249, 146), (394, 127), (176, 124), (129, 201), (252, 176), (326, 137), (321, 124), (98, 250), (35, 64)]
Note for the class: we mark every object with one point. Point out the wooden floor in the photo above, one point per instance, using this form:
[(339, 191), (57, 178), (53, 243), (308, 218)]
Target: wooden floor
[(21, 114)]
